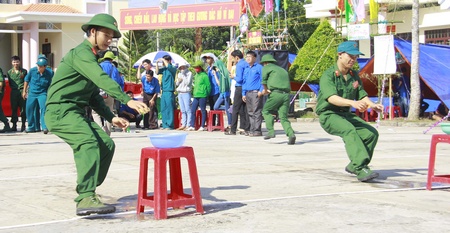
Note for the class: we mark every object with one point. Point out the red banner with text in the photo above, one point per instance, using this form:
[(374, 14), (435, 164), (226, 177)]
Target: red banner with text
[(185, 16)]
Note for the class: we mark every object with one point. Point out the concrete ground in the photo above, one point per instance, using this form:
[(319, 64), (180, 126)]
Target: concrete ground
[(247, 185)]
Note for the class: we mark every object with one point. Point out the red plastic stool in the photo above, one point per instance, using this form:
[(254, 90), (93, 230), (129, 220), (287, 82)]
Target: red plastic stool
[(219, 114), (392, 111), (435, 139), (176, 118), (161, 199), (364, 115), (198, 119)]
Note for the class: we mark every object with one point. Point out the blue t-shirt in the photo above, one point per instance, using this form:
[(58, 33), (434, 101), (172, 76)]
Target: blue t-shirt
[(151, 87), (240, 67), (112, 71), (215, 89), (252, 78)]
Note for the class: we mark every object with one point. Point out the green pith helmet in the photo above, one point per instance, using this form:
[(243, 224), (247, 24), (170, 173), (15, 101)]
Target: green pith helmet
[(108, 55), (42, 60), (103, 20), (199, 64), (267, 58)]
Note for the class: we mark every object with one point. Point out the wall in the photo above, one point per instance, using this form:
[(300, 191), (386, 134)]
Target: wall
[(5, 57)]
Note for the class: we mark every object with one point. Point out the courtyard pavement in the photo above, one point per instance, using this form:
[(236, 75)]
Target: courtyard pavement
[(247, 185)]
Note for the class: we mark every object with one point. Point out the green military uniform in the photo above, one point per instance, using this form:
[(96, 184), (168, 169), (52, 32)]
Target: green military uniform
[(277, 81), (2, 115), (16, 78), (167, 96), (359, 137), (75, 85)]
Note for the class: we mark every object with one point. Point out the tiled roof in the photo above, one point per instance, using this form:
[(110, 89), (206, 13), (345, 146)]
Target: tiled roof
[(50, 8)]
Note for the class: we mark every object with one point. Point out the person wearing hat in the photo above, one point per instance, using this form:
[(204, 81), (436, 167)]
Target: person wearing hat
[(276, 85), (168, 72), (202, 88), (150, 91), (15, 76), (340, 90), (108, 67), (184, 88), (76, 85), (35, 87), (214, 78)]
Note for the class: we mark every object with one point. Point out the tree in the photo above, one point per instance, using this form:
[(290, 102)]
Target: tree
[(134, 47), (321, 49), (414, 107)]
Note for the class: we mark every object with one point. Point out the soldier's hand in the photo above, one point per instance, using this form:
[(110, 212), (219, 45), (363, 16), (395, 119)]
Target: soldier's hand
[(244, 99), (377, 107), (360, 105), (120, 122), (140, 107)]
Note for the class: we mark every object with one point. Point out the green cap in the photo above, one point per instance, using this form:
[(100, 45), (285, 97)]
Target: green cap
[(199, 64), (108, 55), (350, 47), (268, 58), (103, 20)]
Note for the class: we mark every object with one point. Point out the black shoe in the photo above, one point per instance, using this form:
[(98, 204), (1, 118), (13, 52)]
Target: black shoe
[(267, 137), (138, 126), (246, 133), (45, 131), (291, 140), (14, 127), (22, 128), (229, 133)]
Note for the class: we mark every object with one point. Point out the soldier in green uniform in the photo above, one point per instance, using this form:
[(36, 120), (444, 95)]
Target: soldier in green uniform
[(340, 89), (276, 84), (75, 85), (168, 72), (16, 76), (7, 127)]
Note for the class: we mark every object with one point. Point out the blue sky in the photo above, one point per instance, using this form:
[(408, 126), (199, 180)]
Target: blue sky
[(155, 3)]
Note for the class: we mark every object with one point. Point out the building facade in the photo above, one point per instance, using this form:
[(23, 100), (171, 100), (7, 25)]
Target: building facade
[(50, 27)]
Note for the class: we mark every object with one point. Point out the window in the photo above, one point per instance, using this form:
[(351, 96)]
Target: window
[(405, 36), (441, 36)]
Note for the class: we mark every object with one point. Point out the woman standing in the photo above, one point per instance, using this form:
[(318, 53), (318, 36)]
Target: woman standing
[(202, 88), (184, 87)]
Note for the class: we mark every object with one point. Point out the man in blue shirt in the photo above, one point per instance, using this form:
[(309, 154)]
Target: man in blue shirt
[(129, 113), (168, 72), (239, 108), (36, 84), (251, 93), (150, 91)]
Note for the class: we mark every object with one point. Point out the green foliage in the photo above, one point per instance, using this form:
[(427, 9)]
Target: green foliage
[(133, 48), (311, 52)]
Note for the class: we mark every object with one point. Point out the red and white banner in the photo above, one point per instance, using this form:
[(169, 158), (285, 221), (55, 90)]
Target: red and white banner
[(182, 16)]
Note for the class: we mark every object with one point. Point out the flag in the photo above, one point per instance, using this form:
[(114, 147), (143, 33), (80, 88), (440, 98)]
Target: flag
[(268, 6), (340, 6), (285, 5), (350, 16), (373, 9), (277, 5), (243, 7), (359, 9), (255, 7)]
